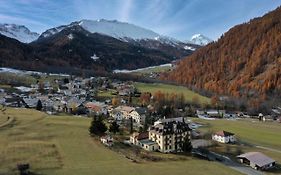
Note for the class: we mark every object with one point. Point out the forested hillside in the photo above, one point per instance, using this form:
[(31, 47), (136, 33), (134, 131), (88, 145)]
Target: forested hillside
[(244, 62)]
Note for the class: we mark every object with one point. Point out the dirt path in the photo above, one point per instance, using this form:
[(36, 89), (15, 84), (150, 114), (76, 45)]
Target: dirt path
[(9, 121)]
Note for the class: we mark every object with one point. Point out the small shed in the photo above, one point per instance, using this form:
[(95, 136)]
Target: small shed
[(257, 160)]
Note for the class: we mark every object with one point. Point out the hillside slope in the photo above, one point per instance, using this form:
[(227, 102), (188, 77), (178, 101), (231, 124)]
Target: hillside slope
[(74, 49), (245, 61)]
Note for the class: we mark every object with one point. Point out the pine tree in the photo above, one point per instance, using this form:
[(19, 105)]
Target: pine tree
[(39, 105), (131, 125), (114, 127), (97, 126)]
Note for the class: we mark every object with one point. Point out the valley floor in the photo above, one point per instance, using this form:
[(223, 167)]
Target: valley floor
[(61, 145)]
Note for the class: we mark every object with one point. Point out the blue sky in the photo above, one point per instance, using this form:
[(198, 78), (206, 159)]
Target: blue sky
[(176, 18)]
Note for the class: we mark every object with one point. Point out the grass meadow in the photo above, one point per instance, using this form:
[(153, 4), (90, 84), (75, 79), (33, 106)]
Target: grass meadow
[(61, 145), (154, 87)]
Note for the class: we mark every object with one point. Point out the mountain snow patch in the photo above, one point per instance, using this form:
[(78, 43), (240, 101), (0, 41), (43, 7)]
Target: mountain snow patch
[(200, 39), (95, 57), (70, 36), (18, 32), (189, 48)]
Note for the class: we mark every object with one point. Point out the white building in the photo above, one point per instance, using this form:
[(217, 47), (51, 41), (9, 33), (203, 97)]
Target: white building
[(141, 140), (107, 140), (163, 136), (170, 136), (224, 137), (138, 115)]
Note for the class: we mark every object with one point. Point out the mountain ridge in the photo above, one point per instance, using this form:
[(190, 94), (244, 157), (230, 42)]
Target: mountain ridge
[(19, 32)]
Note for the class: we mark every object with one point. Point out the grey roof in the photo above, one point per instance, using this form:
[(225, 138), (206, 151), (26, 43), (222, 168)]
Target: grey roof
[(31, 102), (141, 110), (170, 128), (166, 120), (257, 158), (147, 142)]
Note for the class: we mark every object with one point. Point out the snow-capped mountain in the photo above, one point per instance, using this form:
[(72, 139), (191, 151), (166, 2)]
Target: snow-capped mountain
[(113, 28), (119, 30), (18, 32), (200, 39)]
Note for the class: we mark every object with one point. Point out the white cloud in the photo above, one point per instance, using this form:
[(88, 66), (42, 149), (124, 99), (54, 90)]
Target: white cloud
[(125, 10)]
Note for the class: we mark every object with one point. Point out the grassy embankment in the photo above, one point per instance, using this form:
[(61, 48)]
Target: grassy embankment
[(61, 145)]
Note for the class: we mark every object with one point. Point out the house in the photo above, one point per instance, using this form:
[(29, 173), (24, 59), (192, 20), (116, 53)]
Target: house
[(167, 120), (97, 108), (267, 118), (136, 137), (123, 112), (75, 105), (164, 136), (215, 113), (257, 160), (126, 111), (116, 115), (12, 101), (138, 115), (149, 145), (200, 112), (24, 89), (170, 136), (224, 137), (142, 140), (107, 140), (30, 102), (2, 101), (59, 106), (260, 116), (230, 115)]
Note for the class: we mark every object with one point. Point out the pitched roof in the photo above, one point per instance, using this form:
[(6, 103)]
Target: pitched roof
[(141, 136), (224, 133), (147, 142), (257, 158), (141, 110), (127, 109), (169, 128)]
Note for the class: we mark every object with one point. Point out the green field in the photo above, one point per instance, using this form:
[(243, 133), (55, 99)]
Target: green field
[(25, 80), (250, 132), (61, 145), (188, 94), (106, 93), (156, 69)]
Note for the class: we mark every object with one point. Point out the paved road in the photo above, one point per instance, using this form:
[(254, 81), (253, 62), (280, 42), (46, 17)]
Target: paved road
[(241, 168), (267, 148), (228, 162)]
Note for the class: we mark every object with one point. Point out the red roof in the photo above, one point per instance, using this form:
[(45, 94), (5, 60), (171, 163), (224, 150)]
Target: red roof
[(224, 133), (143, 135)]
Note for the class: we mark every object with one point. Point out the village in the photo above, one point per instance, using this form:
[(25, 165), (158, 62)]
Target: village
[(156, 122)]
